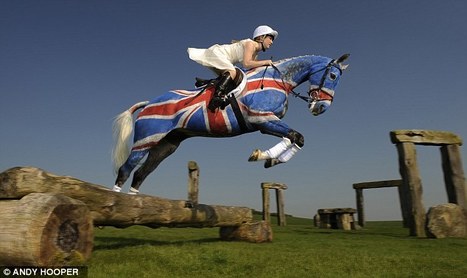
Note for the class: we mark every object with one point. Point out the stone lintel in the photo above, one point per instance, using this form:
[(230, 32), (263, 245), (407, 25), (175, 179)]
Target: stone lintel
[(336, 210), (273, 185), (377, 184), (425, 137)]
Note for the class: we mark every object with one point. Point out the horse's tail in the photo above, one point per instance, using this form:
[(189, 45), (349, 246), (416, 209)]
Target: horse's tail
[(122, 129)]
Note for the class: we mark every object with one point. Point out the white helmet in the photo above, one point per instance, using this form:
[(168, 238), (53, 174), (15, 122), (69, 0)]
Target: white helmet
[(264, 30)]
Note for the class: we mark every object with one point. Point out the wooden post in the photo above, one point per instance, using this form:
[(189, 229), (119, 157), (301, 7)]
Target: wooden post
[(454, 175), (193, 182), (45, 230), (412, 186), (360, 207)]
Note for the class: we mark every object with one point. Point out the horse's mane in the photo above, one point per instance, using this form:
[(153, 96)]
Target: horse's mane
[(299, 57), (291, 58)]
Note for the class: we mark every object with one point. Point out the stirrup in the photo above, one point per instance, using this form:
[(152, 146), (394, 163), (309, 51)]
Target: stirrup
[(217, 102)]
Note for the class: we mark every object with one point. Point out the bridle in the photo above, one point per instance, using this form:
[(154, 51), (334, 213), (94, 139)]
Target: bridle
[(317, 94)]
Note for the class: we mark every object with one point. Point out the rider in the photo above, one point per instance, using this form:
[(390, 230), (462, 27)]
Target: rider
[(221, 59)]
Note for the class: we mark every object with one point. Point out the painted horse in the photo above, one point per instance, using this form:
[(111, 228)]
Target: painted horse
[(258, 103)]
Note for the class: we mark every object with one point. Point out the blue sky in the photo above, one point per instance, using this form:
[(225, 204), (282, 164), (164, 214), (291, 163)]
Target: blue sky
[(69, 67)]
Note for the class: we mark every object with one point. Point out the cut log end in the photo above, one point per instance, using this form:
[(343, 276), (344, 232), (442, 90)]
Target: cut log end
[(45, 230)]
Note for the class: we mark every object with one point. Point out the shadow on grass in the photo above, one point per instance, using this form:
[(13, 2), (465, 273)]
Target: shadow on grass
[(112, 243)]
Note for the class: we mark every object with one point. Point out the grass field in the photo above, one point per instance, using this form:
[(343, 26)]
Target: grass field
[(381, 249)]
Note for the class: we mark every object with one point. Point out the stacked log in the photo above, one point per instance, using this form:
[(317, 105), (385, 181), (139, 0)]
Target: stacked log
[(256, 232), (43, 229), (121, 210), (47, 220)]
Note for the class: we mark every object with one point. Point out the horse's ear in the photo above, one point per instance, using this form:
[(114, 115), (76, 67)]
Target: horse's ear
[(342, 58), (343, 67)]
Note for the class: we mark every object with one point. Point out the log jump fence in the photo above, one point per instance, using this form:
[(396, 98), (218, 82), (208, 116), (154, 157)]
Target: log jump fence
[(48, 220), (279, 188)]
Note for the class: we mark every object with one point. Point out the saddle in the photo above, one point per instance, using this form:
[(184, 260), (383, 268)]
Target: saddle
[(222, 96), (200, 82)]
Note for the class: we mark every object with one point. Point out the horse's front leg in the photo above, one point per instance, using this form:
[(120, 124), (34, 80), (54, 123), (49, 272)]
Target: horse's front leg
[(292, 141)]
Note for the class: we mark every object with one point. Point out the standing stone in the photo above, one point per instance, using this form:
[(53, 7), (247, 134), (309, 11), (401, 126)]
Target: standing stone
[(446, 220)]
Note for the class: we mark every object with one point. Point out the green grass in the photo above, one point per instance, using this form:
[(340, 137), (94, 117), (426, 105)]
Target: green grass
[(381, 249)]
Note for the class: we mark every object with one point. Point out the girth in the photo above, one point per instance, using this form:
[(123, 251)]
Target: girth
[(238, 113)]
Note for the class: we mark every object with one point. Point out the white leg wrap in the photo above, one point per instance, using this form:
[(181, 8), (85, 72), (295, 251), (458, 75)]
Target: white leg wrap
[(116, 188), (289, 153), (278, 149), (133, 191)]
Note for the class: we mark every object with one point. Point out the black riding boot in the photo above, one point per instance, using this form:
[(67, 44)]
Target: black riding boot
[(223, 87)]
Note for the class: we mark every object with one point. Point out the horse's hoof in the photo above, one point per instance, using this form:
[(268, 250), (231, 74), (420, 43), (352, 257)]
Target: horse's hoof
[(133, 191), (255, 155), (116, 188), (271, 162)]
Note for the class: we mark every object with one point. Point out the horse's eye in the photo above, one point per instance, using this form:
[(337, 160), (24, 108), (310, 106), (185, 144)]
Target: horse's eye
[(332, 76)]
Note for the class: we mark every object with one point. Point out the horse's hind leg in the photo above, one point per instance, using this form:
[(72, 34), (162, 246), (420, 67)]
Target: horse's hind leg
[(125, 170), (156, 155)]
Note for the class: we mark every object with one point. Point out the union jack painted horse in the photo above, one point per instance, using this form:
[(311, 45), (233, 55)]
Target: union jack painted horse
[(258, 103)]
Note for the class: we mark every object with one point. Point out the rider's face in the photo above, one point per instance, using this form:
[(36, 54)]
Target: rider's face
[(268, 41)]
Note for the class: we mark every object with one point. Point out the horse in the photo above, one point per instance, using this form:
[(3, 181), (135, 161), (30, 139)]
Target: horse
[(257, 104)]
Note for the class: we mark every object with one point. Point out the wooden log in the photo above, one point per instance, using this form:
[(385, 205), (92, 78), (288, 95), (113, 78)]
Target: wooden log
[(412, 187), (256, 232), (45, 230), (425, 137), (110, 208)]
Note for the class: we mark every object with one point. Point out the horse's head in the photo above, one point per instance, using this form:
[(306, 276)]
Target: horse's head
[(324, 77)]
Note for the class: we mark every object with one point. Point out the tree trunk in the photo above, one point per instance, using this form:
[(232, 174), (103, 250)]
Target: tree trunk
[(45, 230), (110, 208)]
